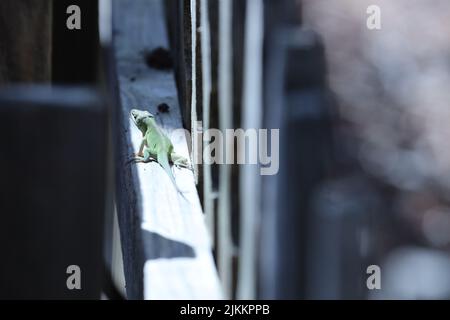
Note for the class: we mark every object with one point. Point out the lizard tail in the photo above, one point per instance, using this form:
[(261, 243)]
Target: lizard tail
[(163, 160)]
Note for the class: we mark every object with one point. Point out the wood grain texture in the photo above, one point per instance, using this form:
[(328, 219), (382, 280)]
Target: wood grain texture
[(165, 242), (25, 41)]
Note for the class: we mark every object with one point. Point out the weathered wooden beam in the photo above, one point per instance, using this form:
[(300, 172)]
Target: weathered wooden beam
[(167, 251), (52, 192)]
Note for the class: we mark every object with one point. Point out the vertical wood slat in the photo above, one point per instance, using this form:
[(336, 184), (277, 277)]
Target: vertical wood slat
[(186, 56), (268, 268), (113, 242), (225, 243), (193, 106), (250, 181), (208, 192), (179, 22), (295, 102)]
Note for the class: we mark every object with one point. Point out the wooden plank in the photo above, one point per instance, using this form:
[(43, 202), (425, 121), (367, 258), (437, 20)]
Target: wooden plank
[(296, 242), (196, 79), (165, 243), (250, 178), (208, 192), (52, 191), (25, 41), (225, 86), (179, 19)]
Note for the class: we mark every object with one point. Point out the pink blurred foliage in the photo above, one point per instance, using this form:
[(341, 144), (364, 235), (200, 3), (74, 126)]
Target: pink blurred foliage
[(392, 85)]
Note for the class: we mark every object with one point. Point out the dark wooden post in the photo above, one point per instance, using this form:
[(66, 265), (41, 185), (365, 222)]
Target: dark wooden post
[(52, 192), (295, 102), (75, 52)]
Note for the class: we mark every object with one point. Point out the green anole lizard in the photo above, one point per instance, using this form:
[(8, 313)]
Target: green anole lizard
[(155, 145)]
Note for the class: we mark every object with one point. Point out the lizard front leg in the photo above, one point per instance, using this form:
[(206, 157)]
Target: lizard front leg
[(142, 155), (141, 148)]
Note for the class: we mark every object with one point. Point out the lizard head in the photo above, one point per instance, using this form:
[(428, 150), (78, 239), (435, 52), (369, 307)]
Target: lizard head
[(138, 117)]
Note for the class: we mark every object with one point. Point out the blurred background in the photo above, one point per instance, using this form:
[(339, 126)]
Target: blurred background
[(363, 158)]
